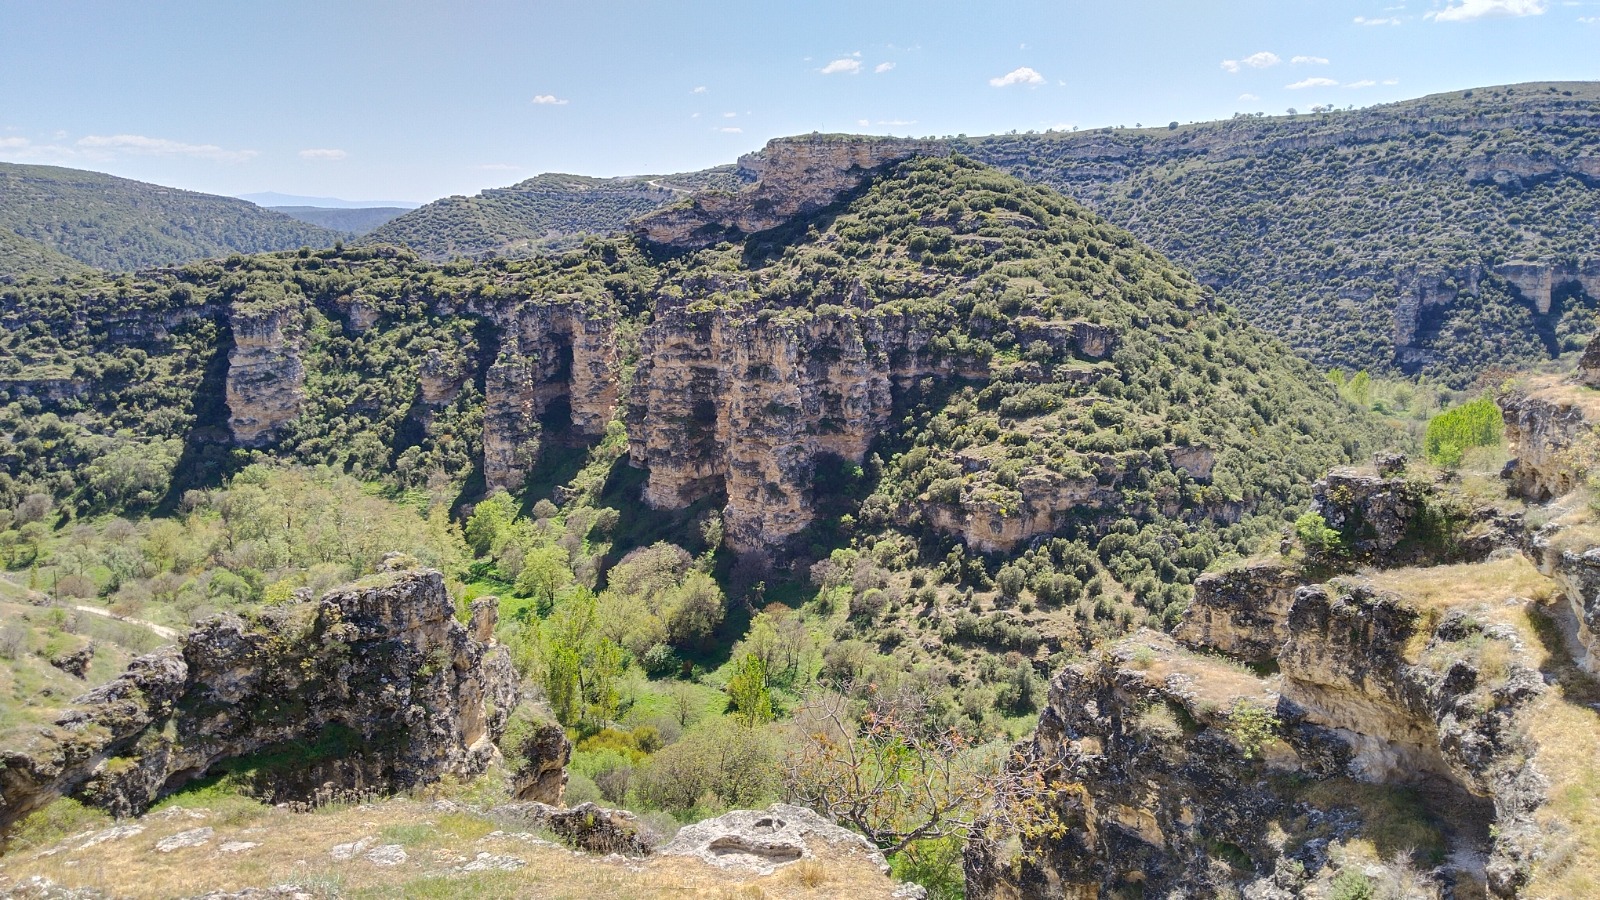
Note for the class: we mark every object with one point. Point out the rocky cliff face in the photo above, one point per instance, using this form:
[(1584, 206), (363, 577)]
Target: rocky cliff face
[(556, 360), (1550, 430), (743, 405), (793, 177), (1175, 779), (375, 687), (266, 379)]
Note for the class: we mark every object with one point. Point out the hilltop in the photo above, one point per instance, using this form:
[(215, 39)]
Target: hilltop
[(541, 214), (117, 224), (1444, 235)]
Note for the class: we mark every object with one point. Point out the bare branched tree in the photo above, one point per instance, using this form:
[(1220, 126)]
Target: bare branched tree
[(885, 771)]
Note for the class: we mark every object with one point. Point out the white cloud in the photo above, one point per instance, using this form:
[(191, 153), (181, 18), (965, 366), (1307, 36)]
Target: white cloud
[(1311, 83), (732, 115), (499, 167), (731, 130), (13, 143), (1468, 10), (897, 122), (1589, 20), (1362, 84), (1262, 60), (149, 146), (882, 67), (1023, 75), (699, 90), (863, 123), (1390, 20), (1310, 60), (1248, 98), (846, 65), (550, 100), (323, 153), (1391, 81)]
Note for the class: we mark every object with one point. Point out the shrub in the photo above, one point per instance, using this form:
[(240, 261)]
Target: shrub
[(1314, 533)]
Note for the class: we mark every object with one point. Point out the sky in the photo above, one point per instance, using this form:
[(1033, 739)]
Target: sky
[(417, 99)]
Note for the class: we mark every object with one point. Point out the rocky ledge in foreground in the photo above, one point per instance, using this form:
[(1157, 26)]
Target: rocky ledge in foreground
[(373, 688)]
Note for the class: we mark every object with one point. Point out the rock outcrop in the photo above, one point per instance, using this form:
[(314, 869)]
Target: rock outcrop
[(1243, 612), (556, 360), (1392, 520), (1184, 760), (742, 405), (792, 177), (374, 688), (266, 379), (1550, 430), (765, 840)]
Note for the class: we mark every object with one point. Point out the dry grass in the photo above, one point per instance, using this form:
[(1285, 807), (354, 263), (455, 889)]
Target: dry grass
[(1558, 390), (1565, 726), (1483, 588), (294, 848)]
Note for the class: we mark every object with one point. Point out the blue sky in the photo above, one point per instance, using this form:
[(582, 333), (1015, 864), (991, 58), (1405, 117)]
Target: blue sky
[(416, 99)]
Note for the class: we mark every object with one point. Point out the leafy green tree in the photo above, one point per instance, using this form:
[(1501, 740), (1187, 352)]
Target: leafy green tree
[(544, 574), (749, 691), (1455, 431)]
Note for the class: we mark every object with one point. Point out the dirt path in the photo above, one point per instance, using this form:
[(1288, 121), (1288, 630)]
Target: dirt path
[(160, 630)]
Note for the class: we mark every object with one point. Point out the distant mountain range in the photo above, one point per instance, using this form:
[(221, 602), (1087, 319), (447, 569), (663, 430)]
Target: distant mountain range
[(272, 199), (355, 220)]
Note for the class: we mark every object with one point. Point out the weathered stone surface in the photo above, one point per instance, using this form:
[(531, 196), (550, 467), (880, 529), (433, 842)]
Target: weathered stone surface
[(1157, 800), (792, 176), (1243, 612), (373, 688), (541, 774), (1543, 431), (266, 379), (1577, 611), (585, 826), (550, 353), (1396, 521), (763, 841), (75, 663), (738, 404), (1589, 364)]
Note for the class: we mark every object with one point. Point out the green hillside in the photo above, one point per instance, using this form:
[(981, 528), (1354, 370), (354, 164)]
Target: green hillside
[(359, 220), (22, 257), (118, 224), (1317, 226), (544, 213)]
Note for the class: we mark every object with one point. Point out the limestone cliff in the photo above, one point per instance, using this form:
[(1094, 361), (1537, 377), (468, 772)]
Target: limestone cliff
[(266, 378), (555, 358), (375, 687), (740, 404), (1550, 430), (1175, 778), (792, 177)]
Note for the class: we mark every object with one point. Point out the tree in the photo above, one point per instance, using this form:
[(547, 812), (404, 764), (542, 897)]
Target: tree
[(1455, 431), (491, 522), (898, 780), (749, 691), (544, 573)]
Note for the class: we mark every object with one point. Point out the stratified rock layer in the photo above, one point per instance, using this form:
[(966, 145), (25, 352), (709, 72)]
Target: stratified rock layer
[(375, 687), (266, 380), (793, 176)]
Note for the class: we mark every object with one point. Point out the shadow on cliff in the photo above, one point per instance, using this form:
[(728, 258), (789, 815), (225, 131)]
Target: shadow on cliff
[(207, 457)]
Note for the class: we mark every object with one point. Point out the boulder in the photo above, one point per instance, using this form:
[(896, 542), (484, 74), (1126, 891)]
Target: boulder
[(763, 841)]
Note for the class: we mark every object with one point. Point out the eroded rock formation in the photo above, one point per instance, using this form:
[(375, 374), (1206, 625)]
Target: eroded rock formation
[(375, 687), (266, 379), (792, 177), (743, 404), (551, 354), (1172, 774)]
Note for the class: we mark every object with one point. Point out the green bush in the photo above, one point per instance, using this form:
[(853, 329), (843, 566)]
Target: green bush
[(1455, 431)]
